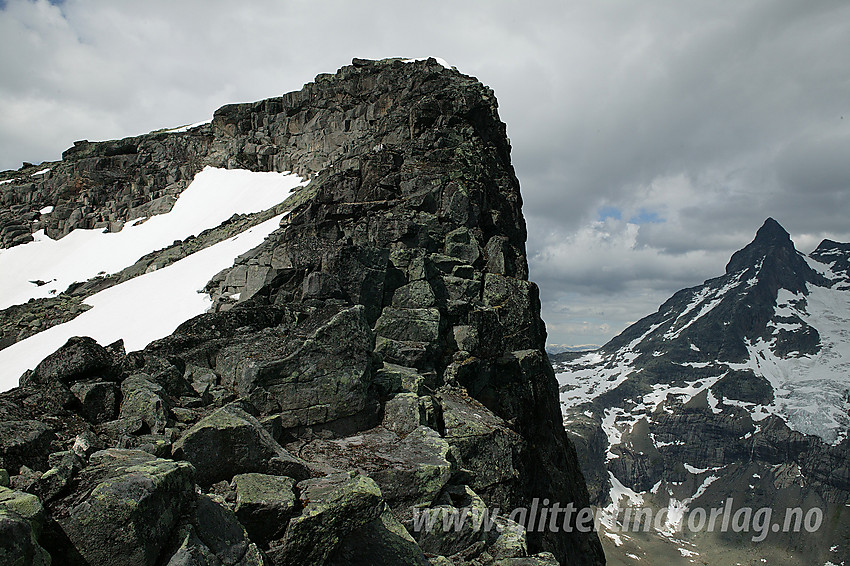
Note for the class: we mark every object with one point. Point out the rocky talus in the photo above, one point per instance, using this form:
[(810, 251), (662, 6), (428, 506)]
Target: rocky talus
[(380, 355)]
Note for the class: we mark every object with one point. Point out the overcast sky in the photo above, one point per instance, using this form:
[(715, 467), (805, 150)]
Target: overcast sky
[(651, 138)]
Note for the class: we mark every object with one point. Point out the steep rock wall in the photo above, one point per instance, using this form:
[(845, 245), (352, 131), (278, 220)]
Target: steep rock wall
[(387, 328)]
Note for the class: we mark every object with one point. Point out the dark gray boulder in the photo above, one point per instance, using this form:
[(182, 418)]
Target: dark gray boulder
[(99, 400), (26, 506), (127, 504), (482, 443), (80, 358), (311, 372), (24, 443), (18, 543), (231, 441), (410, 469), (212, 535), (383, 542), (264, 504), (333, 507)]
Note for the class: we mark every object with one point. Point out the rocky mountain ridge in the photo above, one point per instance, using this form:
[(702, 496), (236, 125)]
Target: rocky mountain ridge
[(737, 387), (379, 354)]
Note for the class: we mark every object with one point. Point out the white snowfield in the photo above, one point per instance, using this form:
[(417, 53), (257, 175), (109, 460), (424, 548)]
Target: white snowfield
[(150, 306), (213, 196), (812, 392)]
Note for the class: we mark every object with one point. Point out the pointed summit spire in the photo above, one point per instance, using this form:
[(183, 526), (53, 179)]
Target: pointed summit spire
[(781, 265), (772, 233), (770, 236)]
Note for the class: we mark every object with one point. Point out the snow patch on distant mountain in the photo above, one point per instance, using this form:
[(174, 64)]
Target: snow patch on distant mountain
[(811, 391)]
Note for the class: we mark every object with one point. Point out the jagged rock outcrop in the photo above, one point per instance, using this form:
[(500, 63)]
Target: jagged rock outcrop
[(383, 349)]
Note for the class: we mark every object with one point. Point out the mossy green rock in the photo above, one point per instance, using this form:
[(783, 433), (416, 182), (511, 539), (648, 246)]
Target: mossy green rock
[(18, 543), (264, 504), (383, 542), (25, 505), (231, 441), (134, 504), (334, 506)]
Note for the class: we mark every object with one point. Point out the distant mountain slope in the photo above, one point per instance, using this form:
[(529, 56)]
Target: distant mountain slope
[(747, 373)]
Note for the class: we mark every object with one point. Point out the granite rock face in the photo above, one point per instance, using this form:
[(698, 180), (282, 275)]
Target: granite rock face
[(385, 352)]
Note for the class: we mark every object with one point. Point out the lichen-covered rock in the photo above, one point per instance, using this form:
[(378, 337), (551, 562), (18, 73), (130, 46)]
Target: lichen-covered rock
[(333, 507), (126, 507), (145, 402), (454, 525), (462, 244), (409, 324), (516, 301), (402, 413), (393, 378), (383, 542), (482, 442), (212, 535), (541, 559), (231, 441), (18, 543), (25, 505), (511, 541), (80, 358), (24, 443), (310, 372), (100, 400), (264, 504), (64, 465), (411, 469)]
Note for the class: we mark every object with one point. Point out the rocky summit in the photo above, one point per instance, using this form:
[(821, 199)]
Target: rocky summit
[(734, 394), (377, 354)]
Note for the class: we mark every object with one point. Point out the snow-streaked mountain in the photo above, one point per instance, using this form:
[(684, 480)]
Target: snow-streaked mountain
[(150, 305), (749, 368)]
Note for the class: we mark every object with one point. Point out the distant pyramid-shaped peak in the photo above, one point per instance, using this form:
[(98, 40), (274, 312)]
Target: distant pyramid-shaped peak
[(770, 239), (828, 247), (772, 233), (773, 255)]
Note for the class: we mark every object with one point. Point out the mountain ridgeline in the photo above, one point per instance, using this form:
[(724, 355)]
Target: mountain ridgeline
[(379, 355), (735, 388)]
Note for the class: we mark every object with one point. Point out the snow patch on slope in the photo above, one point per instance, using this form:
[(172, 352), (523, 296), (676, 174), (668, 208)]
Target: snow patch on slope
[(140, 310), (213, 196), (811, 390), (707, 298)]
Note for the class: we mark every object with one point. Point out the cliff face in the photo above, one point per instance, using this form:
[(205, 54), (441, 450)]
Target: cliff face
[(379, 354)]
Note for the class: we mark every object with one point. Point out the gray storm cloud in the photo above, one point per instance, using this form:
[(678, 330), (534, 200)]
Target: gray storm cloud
[(651, 139)]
